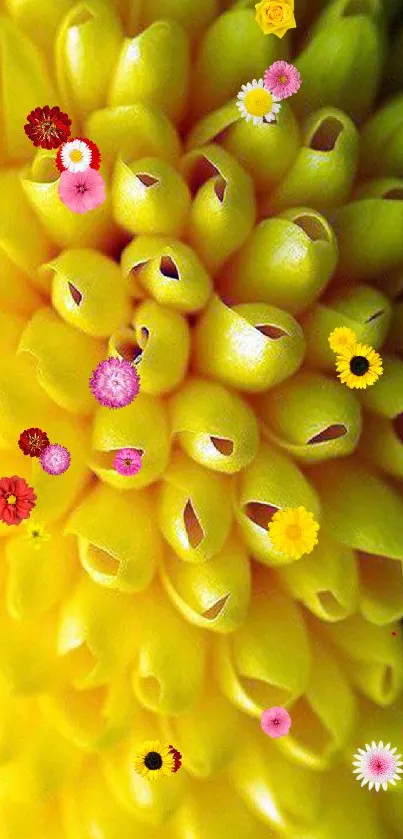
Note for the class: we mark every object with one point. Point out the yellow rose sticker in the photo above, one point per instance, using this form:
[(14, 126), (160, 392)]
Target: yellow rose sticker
[(275, 17)]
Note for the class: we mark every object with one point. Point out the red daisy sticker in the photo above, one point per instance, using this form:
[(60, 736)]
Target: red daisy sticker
[(47, 127), (17, 500), (33, 442)]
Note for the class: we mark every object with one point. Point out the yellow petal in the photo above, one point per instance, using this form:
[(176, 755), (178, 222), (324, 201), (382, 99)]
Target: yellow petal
[(214, 426), (82, 78), (271, 482), (133, 131), (23, 404), (142, 425), (250, 678), (159, 342), (381, 589), (149, 196), (249, 347), (145, 63), (124, 557), (64, 376), (25, 84), (88, 291), (213, 595), (193, 510), (40, 17), (194, 17), (223, 210), (326, 581), (40, 183)]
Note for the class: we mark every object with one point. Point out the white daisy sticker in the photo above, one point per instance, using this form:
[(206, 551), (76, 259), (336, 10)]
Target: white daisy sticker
[(76, 156), (377, 766), (257, 104)]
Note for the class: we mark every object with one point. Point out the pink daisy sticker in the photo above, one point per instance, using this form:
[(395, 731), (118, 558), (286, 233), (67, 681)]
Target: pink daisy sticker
[(115, 383), (55, 459), (128, 461), (282, 79), (275, 721), (82, 191)]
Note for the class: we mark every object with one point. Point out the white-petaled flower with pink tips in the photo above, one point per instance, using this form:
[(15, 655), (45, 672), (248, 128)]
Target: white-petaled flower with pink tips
[(377, 765)]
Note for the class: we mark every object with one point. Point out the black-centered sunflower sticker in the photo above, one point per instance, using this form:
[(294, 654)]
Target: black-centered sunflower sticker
[(357, 365), (154, 760)]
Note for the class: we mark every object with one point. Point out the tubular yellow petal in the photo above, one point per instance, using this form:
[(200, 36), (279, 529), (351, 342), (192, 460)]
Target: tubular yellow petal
[(64, 376), (213, 595), (217, 810), (25, 83), (280, 793), (193, 509), (214, 426), (163, 683), (363, 257), (28, 661), (145, 63), (149, 197), (381, 152), (250, 347), (324, 717), (263, 270), (88, 291), (82, 78), (323, 173), (365, 513), (312, 417), (96, 637), (40, 17), (371, 658), (168, 270), (271, 482), (142, 425), (159, 342), (23, 404), (357, 815), (382, 444), (193, 17), (40, 183), (11, 328), (233, 50), (250, 678), (223, 210), (133, 131), (381, 589), (124, 557), (325, 581), (364, 309)]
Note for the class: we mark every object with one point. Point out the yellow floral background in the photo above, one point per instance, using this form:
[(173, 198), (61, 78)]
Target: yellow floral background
[(222, 259)]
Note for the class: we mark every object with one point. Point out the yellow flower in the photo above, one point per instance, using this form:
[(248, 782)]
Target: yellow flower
[(359, 366), (153, 760), (275, 17), (36, 534), (293, 532), (342, 338)]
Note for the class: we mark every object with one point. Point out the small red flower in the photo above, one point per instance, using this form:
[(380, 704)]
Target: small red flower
[(95, 154), (47, 127), (33, 441), (177, 758), (17, 500)]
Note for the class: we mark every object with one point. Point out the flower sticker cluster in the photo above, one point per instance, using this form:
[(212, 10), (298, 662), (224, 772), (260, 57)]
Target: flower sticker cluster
[(358, 365), (293, 532), (259, 101), (275, 17), (54, 459), (154, 760), (81, 186), (377, 765), (17, 500)]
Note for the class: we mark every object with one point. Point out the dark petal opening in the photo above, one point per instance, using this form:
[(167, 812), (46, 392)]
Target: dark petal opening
[(225, 447), (147, 180), (326, 135), (201, 172), (395, 194), (375, 316), (215, 610), (261, 514), (332, 432), (75, 293), (219, 188), (313, 227), (398, 426), (168, 268), (193, 527), (271, 331)]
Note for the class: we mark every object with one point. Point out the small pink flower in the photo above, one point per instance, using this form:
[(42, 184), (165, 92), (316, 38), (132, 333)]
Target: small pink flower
[(115, 383), (275, 722), (82, 191), (282, 79), (55, 459), (127, 461)]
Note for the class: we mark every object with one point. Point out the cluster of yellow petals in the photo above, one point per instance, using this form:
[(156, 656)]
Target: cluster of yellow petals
[(155, 607)]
